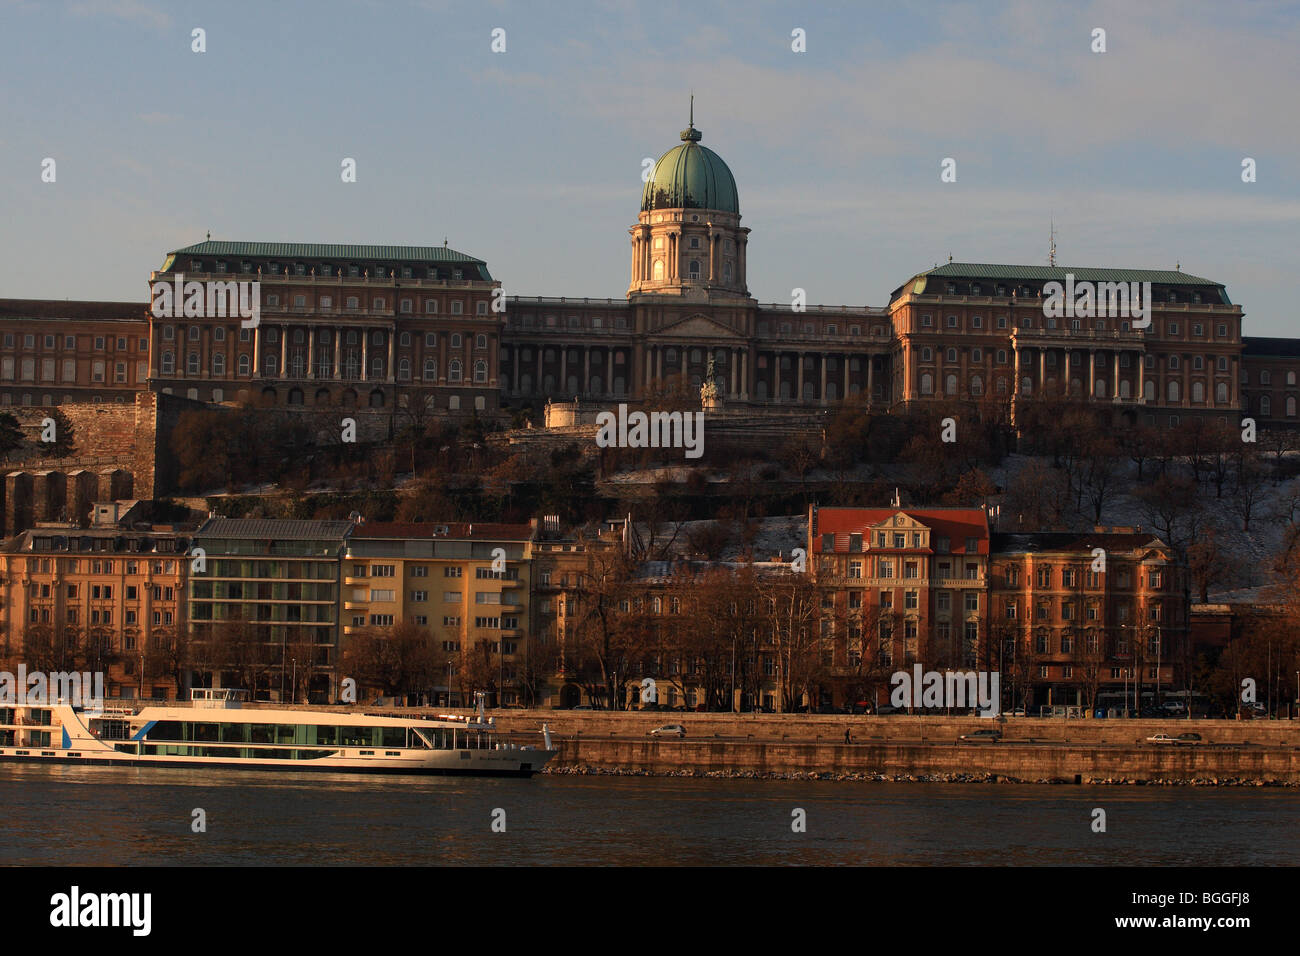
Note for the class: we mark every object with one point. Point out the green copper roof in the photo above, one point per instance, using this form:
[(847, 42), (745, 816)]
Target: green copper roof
[(691, 176), (978, 270), (315, 250)]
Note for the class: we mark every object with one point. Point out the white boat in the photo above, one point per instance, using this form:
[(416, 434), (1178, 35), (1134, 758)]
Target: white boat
[(215, 730)]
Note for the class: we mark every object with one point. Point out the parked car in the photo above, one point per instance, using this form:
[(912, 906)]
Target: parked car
[(1189, 738), (983, 736), (1162, 739), (668, 730), (888, 709)]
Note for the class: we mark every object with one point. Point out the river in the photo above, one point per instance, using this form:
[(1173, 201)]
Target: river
[(63, 815)]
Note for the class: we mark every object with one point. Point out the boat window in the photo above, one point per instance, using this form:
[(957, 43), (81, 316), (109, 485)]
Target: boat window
[(327, 735), (165, 730), (237, 733), (205, 732), (284, 733), (261, 733), (393, 736)]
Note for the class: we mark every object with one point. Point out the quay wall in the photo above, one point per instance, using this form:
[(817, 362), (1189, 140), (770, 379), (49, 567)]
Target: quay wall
[(1010, 761)]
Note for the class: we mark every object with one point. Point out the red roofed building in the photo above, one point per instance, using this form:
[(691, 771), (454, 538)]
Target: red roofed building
[(900, 586)]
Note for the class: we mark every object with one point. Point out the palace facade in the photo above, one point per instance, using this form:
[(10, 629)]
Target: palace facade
[(380, 326)]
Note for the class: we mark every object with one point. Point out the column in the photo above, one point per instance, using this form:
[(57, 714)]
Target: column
[(585, 386), (609, 370), (1068, 371), (205, 352), (821, 398), (871, 391), (1187, 395), (1142, 375), (311, 352), (735, 372), (1092, 375), (847, 360), (1115, 384), (391, 347), (685, 367), (257, 351), (338, 362), (636, 259), (564, 370), (365, 353), (798, 395), (1015, 370), (1042, 371), (776, 380), (284, 352)]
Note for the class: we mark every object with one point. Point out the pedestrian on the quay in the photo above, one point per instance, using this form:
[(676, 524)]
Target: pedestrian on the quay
[(847, 738)]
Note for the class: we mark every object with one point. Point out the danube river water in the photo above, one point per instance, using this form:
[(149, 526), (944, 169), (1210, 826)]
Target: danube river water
[(111, 815)]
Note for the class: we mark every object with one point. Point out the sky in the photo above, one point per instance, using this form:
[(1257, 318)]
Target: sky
[(531, 158)]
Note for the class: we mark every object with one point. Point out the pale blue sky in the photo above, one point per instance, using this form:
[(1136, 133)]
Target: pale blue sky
[(531, 159)]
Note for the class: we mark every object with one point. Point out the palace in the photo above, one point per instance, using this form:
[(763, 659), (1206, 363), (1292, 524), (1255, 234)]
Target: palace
[(381, 326)]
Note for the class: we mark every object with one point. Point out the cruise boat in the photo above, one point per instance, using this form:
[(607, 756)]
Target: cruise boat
[(216, 730)]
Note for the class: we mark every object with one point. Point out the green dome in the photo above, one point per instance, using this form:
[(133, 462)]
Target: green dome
[(691, 176)]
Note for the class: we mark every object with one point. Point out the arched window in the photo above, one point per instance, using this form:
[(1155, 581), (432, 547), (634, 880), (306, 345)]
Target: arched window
[(1221, 393), (480, 372), (1175, 393), (430, 369), (1026, 386), (1101, 388), (950, 385), (168, 363), (1198, 392), (453, 371), (976, 385), (269, 365), (927, 383), (218, 363), (658, 270), (192, 363), (243, 365), (1265, 405), (480, 342), (404, 369), (1149, 390), (1290, 406), (455, 340), (219, 334)]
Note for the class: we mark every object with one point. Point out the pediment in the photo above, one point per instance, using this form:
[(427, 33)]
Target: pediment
[(699, 326), (900, 521)]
